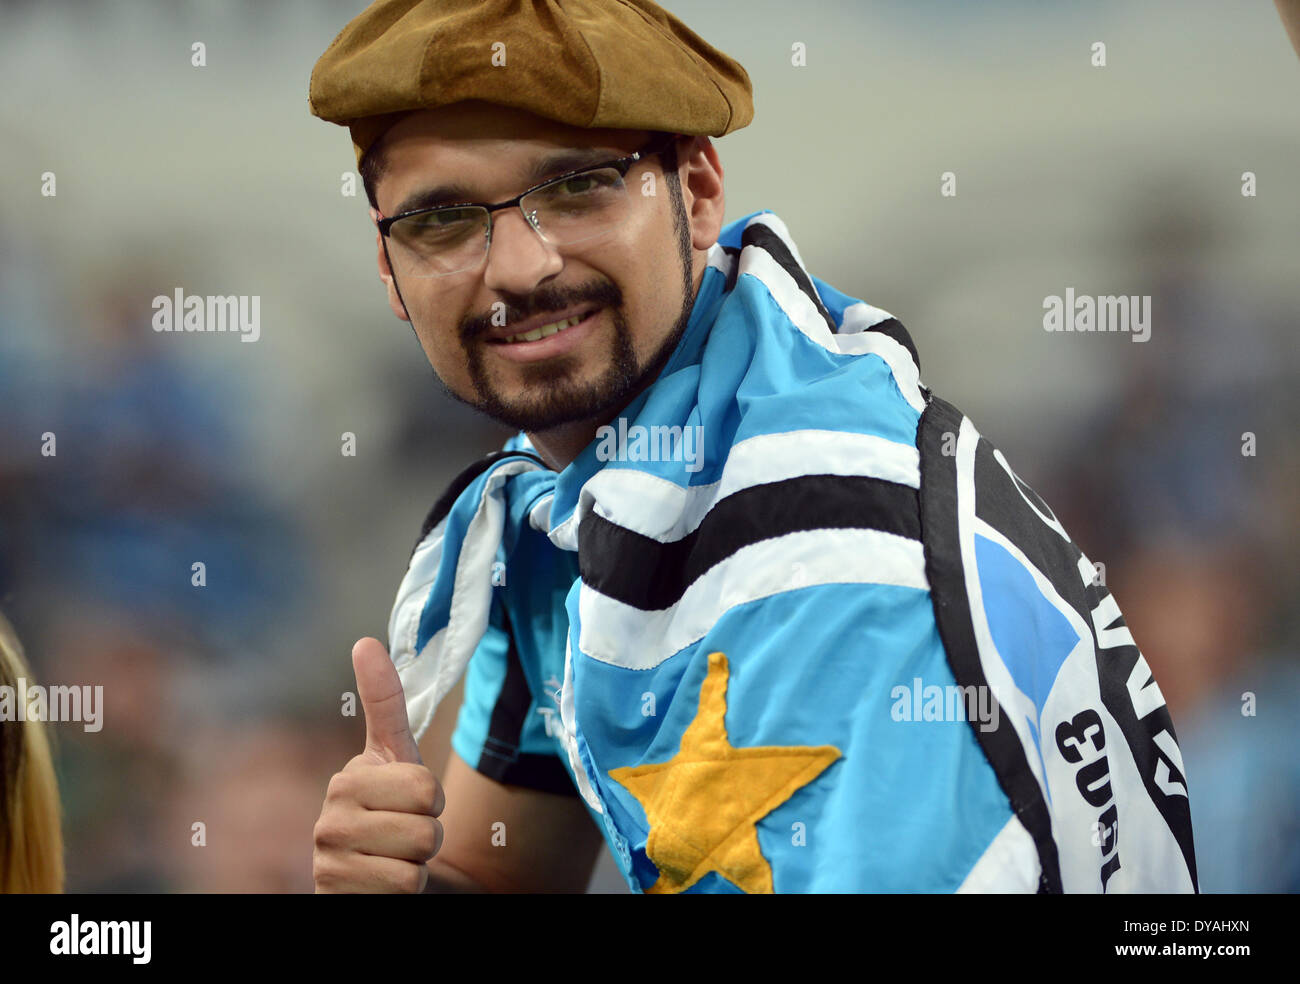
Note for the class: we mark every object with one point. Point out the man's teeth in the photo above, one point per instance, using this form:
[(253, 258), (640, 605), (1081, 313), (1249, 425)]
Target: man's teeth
[(553, 328)]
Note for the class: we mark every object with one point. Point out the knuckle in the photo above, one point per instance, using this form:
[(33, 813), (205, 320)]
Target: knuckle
[(342, 786), (426, 842), (427, 789), (324, 835), (438, 834), (417, 782), (324, 872), (332, 832), (361, 761), (440, 798)]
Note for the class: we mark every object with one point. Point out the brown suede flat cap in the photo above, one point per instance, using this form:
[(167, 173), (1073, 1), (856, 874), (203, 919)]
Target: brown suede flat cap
[(623, 64)]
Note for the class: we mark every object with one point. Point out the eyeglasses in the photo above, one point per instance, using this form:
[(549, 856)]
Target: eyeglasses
[(575, 207)]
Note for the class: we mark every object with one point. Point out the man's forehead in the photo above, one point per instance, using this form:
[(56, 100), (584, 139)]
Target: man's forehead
[(432, 157), (473, 128)]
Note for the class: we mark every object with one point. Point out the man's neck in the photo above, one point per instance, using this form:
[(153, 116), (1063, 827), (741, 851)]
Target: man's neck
[(560, 445)]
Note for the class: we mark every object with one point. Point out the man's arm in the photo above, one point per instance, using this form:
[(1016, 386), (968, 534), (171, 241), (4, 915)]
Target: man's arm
[(547, 842)]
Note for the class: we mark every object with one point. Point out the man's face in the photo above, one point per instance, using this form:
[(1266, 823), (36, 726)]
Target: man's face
[(633, 286)]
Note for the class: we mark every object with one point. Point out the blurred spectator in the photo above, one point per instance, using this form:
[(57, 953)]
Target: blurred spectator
[(31, 827), (256, 792)]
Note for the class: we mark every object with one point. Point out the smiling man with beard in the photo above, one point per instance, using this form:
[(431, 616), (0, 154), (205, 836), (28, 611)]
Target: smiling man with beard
[(698, 658), (632, 282)]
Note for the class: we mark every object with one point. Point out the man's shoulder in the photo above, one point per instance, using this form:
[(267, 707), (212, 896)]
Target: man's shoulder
[(804, 338)]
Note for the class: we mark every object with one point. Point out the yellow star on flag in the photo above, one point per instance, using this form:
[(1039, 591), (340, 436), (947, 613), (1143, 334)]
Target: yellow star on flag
[(703, 803)]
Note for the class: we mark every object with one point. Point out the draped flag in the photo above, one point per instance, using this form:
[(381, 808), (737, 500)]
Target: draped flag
[(833, 645)]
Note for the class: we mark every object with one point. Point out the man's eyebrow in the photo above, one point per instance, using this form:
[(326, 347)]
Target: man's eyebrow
[(550, 166), (447, 194), (553, 165)]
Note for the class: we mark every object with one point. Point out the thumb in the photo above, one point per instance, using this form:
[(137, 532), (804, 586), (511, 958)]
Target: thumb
[(388, 733)]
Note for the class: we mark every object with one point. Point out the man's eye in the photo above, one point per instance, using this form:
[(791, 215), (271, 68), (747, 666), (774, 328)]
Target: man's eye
[(577, 185), (441, 220), (437, 228), (592, 182)]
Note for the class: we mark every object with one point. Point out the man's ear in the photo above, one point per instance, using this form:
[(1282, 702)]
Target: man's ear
[(386, 272), (701, 178)]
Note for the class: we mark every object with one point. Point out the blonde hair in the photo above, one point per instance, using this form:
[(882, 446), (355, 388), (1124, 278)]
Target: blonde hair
[(31, 829)]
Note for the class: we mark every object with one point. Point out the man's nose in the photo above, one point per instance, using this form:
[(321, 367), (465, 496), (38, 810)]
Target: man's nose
[(518, 258)]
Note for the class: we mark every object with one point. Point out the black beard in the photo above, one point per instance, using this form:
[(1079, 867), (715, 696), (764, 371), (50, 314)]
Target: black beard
[(564, 401)]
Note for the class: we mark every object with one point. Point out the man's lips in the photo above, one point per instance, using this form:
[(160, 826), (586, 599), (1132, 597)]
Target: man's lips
[(536, 322), (549, 346)]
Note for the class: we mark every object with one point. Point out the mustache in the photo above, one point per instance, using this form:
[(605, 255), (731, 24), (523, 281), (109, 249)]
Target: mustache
[(544, 300)]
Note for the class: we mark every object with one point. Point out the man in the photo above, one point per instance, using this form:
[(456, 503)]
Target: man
[(742, 595)]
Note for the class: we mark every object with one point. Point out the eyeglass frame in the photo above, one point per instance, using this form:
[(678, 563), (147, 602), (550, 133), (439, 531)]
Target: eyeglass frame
[(623, 164)]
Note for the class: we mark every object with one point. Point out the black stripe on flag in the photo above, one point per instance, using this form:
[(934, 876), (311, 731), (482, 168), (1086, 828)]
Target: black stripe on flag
[(650, 575), (765, 239), (733, 254), (895, 330), (947, 577)]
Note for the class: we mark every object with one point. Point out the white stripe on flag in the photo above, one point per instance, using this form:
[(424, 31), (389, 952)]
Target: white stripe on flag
[(1008, 865), (428, 676), (797, 306), (755, 571), (855, 339), (664, 511)]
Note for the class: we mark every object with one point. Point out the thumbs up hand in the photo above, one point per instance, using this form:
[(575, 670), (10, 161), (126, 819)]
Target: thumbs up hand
[(388, 733), (378, 826)]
